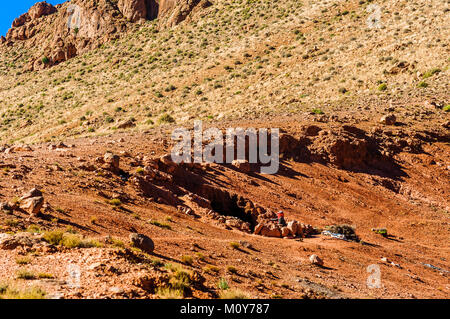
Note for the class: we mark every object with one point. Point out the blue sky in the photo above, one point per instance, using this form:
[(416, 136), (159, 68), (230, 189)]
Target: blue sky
[(12, 9)]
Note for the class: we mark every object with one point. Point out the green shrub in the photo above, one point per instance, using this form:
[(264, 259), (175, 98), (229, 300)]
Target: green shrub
[(44, 275), (431, 72), (69, 240), (422, 84), (25, 274), (115, 202), (53, 237), (23, 260), (317, 111), (166, 118), (223, 284), (212, 270), (159, 224), (77, 241)]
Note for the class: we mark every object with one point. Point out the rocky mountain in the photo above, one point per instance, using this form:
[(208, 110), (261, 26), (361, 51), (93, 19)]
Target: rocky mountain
[(76, 27)]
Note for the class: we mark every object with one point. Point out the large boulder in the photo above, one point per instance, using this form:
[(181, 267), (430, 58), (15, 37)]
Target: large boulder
[(270, 231), (32, 205), (142, 242), (112, 162), (32, 202), (174, 12)]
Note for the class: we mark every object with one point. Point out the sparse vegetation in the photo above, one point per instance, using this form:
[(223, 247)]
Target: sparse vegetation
[(23, 260), (210, 269), (315, 68), (166, 118), (69, 240), (7, 292), (233, 294), (186, 259), (25, 274), (160, 224), (223, 284)]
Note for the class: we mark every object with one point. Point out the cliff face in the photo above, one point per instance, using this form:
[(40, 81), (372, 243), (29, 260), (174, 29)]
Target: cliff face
[(61, 32)]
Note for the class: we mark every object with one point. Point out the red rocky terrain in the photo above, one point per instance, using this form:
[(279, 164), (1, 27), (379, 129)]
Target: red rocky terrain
[(215, 220)]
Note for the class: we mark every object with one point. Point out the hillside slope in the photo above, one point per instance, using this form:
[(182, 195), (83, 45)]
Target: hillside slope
[(239, 59), (85, 139)]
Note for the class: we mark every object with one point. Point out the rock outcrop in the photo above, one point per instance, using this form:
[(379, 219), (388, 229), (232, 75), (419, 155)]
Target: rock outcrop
[(41, 9), (64, 31), (173, 12), (38, 10), (10, 242), (135, 10)]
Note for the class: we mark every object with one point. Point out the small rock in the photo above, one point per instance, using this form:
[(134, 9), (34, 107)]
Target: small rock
[(315, 260), (116, 290), (113, 161), (242, 165), (96, 266), (389, 119), (245, 244), (32, 201), (126, 124)]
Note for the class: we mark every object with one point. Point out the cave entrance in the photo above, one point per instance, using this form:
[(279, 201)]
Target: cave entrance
[(228, 205), (152, 9)]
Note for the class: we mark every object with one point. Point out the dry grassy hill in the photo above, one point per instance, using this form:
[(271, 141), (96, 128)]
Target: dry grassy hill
[(237, 59)]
